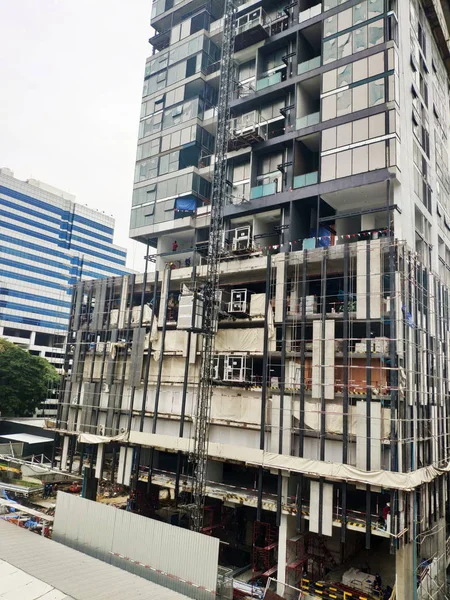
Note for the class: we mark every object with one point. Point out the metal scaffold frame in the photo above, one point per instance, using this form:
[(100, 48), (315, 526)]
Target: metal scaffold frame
[(211, 313)]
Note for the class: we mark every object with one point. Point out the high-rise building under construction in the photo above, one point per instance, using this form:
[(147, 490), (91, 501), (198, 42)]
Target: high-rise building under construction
[(327, 399)]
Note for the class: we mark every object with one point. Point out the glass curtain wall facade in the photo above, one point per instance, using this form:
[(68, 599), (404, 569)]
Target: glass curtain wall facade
[(47, 244)]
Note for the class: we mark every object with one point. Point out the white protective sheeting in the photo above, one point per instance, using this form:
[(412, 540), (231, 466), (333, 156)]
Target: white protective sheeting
[(90, 438), (258, 305), (175, 341), (375, 435), (104, 531), (125, 465), (244, 340), (294, 464), (321, 511)]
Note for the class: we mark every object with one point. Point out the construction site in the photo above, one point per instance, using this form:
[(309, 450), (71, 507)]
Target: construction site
[(277, 379), (329, 404)]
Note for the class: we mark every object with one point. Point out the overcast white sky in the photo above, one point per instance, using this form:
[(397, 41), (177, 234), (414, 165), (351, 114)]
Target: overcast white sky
[(70, 86)]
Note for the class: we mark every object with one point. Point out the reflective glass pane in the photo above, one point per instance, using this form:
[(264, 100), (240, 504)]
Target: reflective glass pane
[(359, 13), (344, 103), (376, 7), (344, 75), (376, 92), (329, 51), (360, 39), (330, 26), (376, 33), (344, 45)]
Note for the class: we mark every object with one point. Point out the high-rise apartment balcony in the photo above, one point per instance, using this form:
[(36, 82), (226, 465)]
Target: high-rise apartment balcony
[(308, 120), (309, 13), (309, 65), (267, 189), (272, 79), (306, 179)]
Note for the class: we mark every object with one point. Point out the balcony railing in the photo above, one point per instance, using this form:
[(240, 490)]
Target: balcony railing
[(306, 179), (266, 189), (309, 65), (309, 13), (308, 120), (268, 81)]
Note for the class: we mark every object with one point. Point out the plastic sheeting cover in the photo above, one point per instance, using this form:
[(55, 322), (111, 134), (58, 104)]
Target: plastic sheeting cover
[(294, 464)]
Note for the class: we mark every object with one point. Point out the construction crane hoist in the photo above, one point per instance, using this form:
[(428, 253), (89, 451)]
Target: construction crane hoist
[(199, 455)]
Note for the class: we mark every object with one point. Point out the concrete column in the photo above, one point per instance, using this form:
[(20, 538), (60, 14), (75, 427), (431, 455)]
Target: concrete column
[(99, 461), (367, 222), (286, 531), (404, 570), (65, 452)]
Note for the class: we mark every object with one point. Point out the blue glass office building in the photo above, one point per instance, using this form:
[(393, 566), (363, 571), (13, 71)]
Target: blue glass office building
[(47, 243)]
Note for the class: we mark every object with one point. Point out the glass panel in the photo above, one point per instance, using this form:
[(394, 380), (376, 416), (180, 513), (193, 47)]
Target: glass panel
[(263, 190), (360, 39), (359, 13), (376, 8), (344, 45), (306, 179), (329, 51), (376, 92), (330, 26), (376, 33), (344, 103), (344, 75)]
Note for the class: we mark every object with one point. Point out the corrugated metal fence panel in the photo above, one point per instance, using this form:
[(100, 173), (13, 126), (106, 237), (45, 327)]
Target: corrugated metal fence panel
[(100, 530)]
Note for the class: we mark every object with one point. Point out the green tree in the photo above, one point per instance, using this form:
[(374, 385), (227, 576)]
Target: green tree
[(25, 380)]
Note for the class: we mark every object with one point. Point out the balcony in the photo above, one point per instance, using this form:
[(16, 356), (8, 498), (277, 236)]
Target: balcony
[(309, 65), (308, 120), (309, 13), (306, 179), (268, 81), (266, 189)]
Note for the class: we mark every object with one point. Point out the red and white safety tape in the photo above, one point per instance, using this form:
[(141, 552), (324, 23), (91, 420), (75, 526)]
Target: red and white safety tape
[(137, 562)]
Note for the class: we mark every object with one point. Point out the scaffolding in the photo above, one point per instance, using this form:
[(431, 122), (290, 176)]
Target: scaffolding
[(347, 344)]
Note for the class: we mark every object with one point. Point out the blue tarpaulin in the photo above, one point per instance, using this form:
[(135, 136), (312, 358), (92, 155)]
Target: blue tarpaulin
[(187, 204)]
